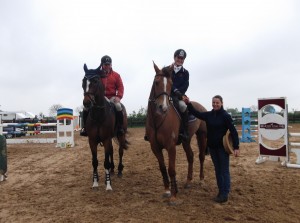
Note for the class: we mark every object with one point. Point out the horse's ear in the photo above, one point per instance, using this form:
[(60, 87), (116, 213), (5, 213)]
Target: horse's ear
[(85, 67), (155, 67)]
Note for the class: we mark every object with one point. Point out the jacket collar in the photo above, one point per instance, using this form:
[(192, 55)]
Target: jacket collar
[(218, 111)]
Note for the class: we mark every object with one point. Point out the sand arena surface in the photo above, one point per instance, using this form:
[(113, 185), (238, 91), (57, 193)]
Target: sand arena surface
[(48, 184)]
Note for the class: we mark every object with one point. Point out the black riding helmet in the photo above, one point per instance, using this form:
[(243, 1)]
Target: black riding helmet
[(180, 53), (106, 60)]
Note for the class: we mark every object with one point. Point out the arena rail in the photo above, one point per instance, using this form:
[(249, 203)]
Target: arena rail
[(294, 147), (64, 130)]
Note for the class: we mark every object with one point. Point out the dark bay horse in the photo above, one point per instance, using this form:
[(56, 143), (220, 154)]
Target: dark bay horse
[(101, 125), (162, 129)]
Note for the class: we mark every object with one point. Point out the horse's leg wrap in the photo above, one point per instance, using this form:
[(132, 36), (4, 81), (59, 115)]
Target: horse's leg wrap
[(107, 176), (107, 180), (107, 166), (95, 176), (95, 173)]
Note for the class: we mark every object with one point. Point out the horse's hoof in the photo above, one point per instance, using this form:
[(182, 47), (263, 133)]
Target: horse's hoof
[(175, 202), (172, 203), (187, 186), (120, 175), (202, 183), (166, 195)]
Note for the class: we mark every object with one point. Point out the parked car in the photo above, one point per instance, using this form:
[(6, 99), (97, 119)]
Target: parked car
[(12, 132)]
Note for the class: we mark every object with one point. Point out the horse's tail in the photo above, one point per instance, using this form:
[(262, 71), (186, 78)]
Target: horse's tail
[(124, 144), (127, 143)]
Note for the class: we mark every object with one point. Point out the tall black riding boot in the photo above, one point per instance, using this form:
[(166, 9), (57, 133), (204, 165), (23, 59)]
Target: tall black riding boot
[(84, 118), (185, 126), (120, 118)]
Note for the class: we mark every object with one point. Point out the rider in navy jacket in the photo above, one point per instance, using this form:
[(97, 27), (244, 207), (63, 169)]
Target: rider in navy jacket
[(180, 79)]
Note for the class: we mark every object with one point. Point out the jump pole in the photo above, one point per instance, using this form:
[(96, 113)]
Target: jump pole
[(294, 147)]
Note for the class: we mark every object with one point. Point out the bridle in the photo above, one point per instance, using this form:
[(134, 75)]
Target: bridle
[(152, 100), (92, 95), (155, 97)]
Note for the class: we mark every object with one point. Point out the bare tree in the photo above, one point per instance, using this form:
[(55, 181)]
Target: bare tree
[(79, 109), (41, 115), (53, 109), (232, 111), (253, 108)]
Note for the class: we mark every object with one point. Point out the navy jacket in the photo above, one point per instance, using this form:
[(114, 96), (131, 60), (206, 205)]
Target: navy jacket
[(180, 80), (217, 122)]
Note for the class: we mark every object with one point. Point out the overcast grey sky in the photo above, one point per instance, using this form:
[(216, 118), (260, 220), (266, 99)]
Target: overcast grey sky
[(240, 49)]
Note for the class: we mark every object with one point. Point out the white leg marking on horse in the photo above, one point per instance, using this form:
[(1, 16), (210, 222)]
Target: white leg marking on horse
[(95, 183), (108, 186)]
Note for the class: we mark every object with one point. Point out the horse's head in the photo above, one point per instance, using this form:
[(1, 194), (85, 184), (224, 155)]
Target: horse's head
[(161, 88), (92, 86)]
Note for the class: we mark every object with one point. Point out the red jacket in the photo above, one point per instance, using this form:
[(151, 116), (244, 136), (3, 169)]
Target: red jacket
[(113, 85)]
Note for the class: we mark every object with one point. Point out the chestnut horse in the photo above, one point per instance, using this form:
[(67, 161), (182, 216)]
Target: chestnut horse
[(101, 125), (162, 129)]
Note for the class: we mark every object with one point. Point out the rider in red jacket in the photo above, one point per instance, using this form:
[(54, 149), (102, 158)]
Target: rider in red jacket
[(112, 82), (113, 91)]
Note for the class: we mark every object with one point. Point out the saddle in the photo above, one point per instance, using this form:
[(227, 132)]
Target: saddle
[(192, 118)]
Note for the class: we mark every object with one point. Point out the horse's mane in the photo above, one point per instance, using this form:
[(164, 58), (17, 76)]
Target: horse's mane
[(167, 71)]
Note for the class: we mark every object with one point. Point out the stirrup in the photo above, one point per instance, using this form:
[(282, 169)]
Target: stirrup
[(83, 132)]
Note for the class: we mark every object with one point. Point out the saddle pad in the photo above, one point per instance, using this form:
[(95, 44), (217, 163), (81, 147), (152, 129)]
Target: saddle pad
[(191, 118)]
